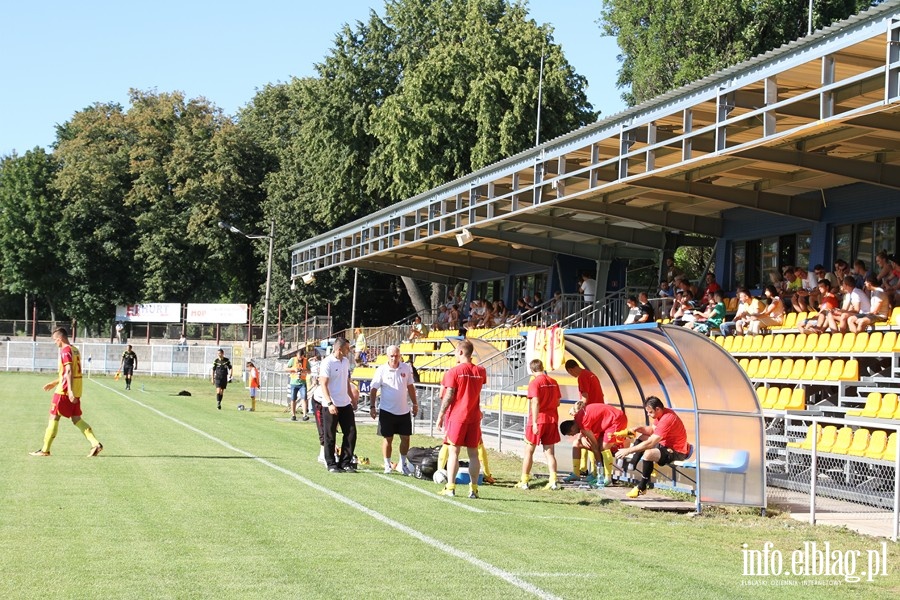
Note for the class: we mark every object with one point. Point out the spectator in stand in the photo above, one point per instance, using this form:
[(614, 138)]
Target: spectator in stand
[(842, 269), (588, 287), (879, 307), (556, 311), (889, 276), (860, 272), (748, 306), (648, 315), (855, 302), (443, 318), (453, 318), (633, 311), (487, 315), (684, 308), (712, 286), (418, 330), (672, 271), (537, 300), (772, 314), (501, 313), (712, 318), (792, 287), (664, 290), (827, 303)]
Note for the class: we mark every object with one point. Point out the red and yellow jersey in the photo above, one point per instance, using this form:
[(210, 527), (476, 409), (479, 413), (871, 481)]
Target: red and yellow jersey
[(254, 377), (69, 355)]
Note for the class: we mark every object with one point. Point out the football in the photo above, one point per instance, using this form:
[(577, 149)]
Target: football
[(440, 476)]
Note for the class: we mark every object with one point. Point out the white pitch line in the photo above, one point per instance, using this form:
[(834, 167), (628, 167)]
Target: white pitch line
[(427, 493), (434, 543), (567, 575)]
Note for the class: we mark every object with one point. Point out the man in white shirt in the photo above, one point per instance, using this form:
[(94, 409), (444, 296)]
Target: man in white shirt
[(395, 381), (879, 307), (588, 287), (855, 303), (338, 398)]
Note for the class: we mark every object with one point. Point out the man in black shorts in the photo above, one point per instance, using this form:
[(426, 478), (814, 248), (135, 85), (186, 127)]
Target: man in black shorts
[(129, 364), (395, 381), (221, 375)]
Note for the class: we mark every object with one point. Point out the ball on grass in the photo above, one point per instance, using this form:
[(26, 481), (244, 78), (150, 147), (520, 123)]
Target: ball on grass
[(440, 476)]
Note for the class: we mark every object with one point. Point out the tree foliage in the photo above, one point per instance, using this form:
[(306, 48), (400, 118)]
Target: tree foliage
[(669, 43)]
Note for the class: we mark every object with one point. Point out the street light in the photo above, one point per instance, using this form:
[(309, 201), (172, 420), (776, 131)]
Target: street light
[(271, 238)]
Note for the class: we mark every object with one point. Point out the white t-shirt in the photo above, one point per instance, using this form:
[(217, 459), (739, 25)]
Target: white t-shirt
[(860, 299), (392, 385), (589, 289), (338, 374)]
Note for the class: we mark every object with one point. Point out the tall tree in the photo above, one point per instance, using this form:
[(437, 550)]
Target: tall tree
[(669, 43)]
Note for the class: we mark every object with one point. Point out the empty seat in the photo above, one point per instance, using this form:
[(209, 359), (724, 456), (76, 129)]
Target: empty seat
[(784, 399), (890, 449), (835, 343), (720, 339), (829, 436), (786, 367), (798, 399), (744, 363), (888, 341), (788, 343), (837, 367), (746, 341), (874, 343), (847, 342), (844, 440), (808, 441), (799, 343), (763, 369), (851, 371), (877, 444), (771, 397), (728, 342), (810, 371), (860, 342), (808, 438), (873, 403), (777, 343), (860, 442), (761, 392), (822, 343), (799, 367), (752, 367), (893, 320), (755, 343), (774, 369), (888, 407), (766, 345), (823, 370), (789, 322), (810, 342)]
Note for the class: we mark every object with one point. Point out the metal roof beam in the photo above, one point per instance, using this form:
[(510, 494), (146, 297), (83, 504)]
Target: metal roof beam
[(498, 265), (758, 200), (524, 255), (580, 249), (424, 270), (860, 170), (625, 235), (669, 220)]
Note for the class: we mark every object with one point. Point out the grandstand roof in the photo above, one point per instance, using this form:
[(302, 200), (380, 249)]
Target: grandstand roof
[(770, 134)]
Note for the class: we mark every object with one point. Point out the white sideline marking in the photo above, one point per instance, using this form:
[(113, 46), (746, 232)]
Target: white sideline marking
[(556, 574), (434, 543), (427, 493)]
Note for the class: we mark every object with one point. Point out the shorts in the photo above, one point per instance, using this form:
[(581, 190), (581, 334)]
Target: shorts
[(390, 424), (253, 392), (667, 455), (467, 434), (220, 382), (63, 407), (127, 371), (547, 435), (871, 317), (298, 389)]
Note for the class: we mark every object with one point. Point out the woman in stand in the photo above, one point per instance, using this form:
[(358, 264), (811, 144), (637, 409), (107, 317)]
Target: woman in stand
[(772, 315)]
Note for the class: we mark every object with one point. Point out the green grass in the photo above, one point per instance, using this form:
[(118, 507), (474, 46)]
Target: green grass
[(167, 512)]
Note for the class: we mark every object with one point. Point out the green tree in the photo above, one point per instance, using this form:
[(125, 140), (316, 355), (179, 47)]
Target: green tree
[(669, 43), (30, 214)]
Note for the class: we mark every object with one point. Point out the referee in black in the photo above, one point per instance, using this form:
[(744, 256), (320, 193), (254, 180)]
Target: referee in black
[(129, 364), (221, 375)]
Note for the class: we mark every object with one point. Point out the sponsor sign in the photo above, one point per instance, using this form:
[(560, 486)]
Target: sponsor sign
[(217, 313), (152, 312)]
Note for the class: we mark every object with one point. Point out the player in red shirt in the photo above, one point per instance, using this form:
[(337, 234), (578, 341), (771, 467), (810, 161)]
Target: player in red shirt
[(461, 409), (540, 428), (601, 428), (67, 395), (589, 392), (666, 442), (253, 376)]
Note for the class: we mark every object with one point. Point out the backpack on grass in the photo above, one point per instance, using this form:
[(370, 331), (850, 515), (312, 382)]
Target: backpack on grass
[(425, 461)]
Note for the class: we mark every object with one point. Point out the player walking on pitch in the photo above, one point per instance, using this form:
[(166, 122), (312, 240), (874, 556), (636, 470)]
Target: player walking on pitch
[(66, 396), (129, 364), (221, 375)]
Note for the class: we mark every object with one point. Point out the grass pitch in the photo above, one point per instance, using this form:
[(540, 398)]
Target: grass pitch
[(190, 502)]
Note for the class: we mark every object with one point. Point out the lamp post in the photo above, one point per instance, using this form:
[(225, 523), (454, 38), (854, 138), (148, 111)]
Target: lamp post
[(271, 238)]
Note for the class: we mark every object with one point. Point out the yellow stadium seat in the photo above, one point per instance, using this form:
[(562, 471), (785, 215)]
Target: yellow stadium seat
[(843, 441), (746, 342), (860, 442), (798, 399), (888, 407), (851, 371), (761, 392), (829, 436), (728, 343), (848, 342), (876, 446), (836, 340), (799, 343), (888, 341), (752, 367), (799, 368), (808, 441), (774, 369), (823, 370), (784, 398), (787, 366), (873, 404), (809, 372), (771, 397), (837, 367), (731, 304), (755, 343), (874, 343), (789, 322), (808, 438), (777, 343), (763, 369), (720, 339), (860, 342), (890, 449), (766, 345), (788, 344), (810, 342), (744, 363), (893, 320), (822, 343)]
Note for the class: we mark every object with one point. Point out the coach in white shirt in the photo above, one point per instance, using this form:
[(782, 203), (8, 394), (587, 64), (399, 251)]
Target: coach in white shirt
[(395, 382), (339, 400)]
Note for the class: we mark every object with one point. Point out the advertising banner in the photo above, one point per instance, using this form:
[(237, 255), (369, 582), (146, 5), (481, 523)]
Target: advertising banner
[(152, 312), (217, 313)]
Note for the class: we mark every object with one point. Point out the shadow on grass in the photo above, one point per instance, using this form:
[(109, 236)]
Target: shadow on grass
[(189, 456)]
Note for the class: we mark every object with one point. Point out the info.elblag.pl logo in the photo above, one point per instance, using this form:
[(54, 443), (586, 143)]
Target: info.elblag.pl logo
[(813, 564)]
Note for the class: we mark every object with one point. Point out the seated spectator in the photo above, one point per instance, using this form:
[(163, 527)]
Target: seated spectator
[(664, 290), (712, 318), (453, 317), (793, 285), (443, 318), (500, 313), (672, 271), (748, 307), (648, 315), (827, 303), (773, 314), (860, 272), (684, 308), (633, 311), (418, 330), (487, 315), (556, 311), (842, 269), (855, 302), (712, 286), (879, 307)]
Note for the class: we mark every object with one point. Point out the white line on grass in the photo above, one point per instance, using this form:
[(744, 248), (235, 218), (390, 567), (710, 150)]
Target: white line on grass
[(434, 543), (427, 493), (586, 574)]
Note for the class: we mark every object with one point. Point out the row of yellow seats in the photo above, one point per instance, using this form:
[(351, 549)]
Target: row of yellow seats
[(814, 343), (431, 376), (877, 445), (801, 369), (785, 398), (363, 373), (511, 403), (878, 407), (417, 347)]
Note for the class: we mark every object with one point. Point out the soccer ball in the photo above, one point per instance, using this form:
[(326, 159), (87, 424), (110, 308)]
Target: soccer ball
[(440, 476)]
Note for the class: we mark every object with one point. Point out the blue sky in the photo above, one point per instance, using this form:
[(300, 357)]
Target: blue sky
[(61, 56)]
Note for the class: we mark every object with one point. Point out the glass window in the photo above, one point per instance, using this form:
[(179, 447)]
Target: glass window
[(843, 242), (769, 256), (804, 242), (884, 237), (739, 267)]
